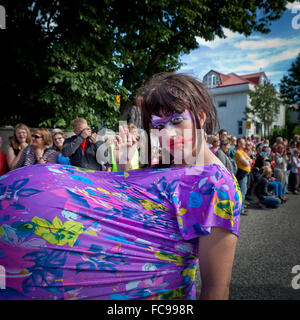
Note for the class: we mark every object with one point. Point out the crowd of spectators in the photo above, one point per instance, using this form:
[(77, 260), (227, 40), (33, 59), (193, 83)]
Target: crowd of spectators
[(265, 173)]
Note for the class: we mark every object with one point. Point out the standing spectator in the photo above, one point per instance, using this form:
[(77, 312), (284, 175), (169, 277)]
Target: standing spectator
[(295, 168), (280, 164), (17, 143), (223, 134), (58, 138), (215, 142), (82, 147), (222, 154), (279, 140), (288, 169), (39, 152), (3, 160), (231, 153), (243, 162), (263, 155)]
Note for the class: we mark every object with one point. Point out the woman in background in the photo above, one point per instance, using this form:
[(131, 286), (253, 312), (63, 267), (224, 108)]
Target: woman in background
[(18, 142), (39, 151), (58, 138)]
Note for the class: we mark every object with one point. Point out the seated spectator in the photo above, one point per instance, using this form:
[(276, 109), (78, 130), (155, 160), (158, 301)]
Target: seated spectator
[(82, 147), (58, 138), (261, 190), (274, 185), (3, 160), (17, 143), (222, 154), (295, 169), (39, 152)]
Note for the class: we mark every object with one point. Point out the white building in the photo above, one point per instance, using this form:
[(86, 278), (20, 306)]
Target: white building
[(231, 96)]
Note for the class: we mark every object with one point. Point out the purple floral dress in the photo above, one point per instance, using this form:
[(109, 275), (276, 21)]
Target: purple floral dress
[(72, 233)]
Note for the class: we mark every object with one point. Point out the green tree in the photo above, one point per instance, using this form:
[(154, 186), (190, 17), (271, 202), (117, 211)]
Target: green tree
[(290, 86), (69, 58), (264, 106)]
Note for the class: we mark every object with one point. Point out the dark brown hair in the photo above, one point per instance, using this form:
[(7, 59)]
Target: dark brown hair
[(168, 93)]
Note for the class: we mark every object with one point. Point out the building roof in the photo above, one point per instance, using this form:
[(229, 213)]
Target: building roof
[(232, 79)]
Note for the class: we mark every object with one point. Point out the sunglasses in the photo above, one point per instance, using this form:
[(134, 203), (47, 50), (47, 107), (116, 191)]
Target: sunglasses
[(36, 136)]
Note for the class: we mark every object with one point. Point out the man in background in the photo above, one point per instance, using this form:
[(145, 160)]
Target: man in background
[(82, 147)]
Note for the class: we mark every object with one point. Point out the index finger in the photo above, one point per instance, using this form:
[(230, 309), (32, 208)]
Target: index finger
[(122, 133)]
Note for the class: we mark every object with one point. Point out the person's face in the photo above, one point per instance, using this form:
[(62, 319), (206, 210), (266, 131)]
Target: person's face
[(242, 144), (37, 140), (79, 127), (216, 143), (21, 135), (223, 136), (175, 132), (58, 140), (233, 141), (225, 147)]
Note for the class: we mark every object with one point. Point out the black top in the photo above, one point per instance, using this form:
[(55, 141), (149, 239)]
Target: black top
[(72, 149), (261, 188)]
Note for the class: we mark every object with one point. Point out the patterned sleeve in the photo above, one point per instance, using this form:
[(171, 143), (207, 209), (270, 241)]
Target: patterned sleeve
[(50, 156), (211, 198)]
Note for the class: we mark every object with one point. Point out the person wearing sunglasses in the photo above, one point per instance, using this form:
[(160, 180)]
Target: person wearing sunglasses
[(39, 151)]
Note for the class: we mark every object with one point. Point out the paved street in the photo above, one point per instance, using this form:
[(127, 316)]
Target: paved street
[(268, 248)]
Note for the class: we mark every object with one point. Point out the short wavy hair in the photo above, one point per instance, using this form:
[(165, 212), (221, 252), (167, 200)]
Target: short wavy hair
[(45, 133)]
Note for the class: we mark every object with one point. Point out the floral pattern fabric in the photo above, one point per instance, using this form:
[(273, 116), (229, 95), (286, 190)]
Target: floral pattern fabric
[(73, 233)]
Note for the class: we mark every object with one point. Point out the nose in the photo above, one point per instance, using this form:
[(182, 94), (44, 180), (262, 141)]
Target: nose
[(170, 131)]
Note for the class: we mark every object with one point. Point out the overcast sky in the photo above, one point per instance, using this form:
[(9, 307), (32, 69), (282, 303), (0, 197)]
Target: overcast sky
[(272, 53)]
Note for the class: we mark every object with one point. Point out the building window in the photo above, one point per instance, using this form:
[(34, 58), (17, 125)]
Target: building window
[(240, 127), (222, 104), (258, 129)]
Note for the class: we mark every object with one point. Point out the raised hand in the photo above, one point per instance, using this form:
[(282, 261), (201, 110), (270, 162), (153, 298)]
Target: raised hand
[(125, 147)]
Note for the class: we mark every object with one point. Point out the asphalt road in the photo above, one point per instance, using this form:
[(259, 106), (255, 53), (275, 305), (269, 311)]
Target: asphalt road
[(267, 250)]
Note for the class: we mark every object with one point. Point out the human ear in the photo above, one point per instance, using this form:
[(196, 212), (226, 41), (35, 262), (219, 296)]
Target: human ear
[(202, 118)]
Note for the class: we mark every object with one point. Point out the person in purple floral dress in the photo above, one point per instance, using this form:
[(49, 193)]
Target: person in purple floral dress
[(73, 233)]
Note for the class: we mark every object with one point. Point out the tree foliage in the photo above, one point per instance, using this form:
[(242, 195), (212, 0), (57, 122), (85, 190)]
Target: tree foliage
[(71, 58), (264, 106), (290, 84)]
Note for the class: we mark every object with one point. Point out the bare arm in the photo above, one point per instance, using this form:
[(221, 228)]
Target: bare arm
[(216, 255), (12, 159)]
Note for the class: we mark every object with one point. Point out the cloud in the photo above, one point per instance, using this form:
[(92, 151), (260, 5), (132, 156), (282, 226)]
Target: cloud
[(271, 53), (262, 43), (230, 37), (291, 5)]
